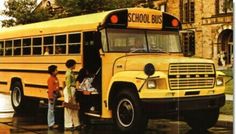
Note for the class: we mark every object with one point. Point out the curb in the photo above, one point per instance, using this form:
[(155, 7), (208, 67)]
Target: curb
[(223, 123)]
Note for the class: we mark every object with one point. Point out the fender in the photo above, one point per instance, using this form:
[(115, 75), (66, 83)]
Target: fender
[(135, 78)]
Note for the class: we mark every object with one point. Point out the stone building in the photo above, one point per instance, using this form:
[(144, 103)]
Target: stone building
[(207, 25)]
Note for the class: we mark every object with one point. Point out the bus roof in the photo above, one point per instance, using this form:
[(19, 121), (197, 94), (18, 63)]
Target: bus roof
[(84, 23)]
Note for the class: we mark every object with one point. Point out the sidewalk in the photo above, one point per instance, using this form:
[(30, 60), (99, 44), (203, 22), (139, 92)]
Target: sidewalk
[(225, 121), (229, 97)]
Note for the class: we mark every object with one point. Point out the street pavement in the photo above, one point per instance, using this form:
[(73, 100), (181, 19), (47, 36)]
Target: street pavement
[(36, 123)]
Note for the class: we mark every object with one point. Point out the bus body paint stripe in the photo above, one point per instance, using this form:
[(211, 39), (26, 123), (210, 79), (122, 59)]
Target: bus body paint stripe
[(36, 86)]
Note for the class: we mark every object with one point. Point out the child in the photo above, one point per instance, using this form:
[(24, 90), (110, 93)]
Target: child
[(53, 88), (86, 84), (70, 115)]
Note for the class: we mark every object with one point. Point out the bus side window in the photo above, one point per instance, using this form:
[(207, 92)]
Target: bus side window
[(48, 45), (60, 44), (8, 48), (17, 47), (27, 46), (37, 46), (74, 43), (1, 48)]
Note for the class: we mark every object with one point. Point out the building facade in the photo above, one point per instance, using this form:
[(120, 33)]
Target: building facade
[(207, 27)]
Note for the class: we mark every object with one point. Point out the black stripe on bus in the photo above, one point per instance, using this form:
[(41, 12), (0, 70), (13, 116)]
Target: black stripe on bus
[(3, 83), (36, 86), (29, 71)]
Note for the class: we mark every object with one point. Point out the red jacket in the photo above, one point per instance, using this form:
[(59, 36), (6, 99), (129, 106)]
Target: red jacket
[(53, 85)]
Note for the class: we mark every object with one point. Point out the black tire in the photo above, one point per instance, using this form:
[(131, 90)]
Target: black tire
[(203, 119), (21, 103), (128, 114)]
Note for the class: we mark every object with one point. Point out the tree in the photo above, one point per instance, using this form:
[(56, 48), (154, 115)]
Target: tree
[(22, 12), (78, 7)]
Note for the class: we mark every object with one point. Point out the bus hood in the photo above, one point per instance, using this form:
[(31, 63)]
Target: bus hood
[(137, 62)]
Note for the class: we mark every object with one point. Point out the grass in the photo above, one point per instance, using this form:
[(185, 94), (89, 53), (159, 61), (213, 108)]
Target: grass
[(227, 108), (229, 87)]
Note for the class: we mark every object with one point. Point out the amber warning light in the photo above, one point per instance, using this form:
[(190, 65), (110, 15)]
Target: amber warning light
[(174, 22), (114, 19)]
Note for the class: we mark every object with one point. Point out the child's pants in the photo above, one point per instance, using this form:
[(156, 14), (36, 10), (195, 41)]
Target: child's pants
[(70, 116)]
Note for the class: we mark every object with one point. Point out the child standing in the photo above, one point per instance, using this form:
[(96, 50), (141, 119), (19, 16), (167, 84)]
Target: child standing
[(53, 88), (70, 115)]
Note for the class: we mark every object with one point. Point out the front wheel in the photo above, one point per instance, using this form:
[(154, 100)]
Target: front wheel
[(128, 114), (203, 119)]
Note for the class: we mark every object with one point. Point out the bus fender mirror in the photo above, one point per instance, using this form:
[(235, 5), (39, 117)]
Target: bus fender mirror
[(149, 69)]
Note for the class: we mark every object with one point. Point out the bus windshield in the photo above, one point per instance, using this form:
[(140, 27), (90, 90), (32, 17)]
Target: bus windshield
[(141, 41)]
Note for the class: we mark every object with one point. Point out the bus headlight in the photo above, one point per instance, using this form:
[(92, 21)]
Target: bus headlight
[(220, 81), (151, 84)]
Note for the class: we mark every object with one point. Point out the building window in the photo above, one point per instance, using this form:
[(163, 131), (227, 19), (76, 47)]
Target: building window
[(162, 7), (187, 11), (188, 42), (224, 6)]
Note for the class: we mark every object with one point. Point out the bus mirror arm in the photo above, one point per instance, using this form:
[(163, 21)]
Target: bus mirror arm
[(101, 52)]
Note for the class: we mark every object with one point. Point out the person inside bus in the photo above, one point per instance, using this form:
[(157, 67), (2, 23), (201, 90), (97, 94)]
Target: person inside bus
[(71, 119), (46, 51), (58, 50), (53, 90)]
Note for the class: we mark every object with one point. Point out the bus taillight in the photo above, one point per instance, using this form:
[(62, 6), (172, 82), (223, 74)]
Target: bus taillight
[(175, 22), (114, 19)]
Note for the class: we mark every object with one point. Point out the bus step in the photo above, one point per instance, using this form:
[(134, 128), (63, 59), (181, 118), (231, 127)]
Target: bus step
[(94, 114)]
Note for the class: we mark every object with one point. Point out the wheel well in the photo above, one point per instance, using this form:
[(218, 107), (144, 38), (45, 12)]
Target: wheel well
[(118, 87), (15, 79)]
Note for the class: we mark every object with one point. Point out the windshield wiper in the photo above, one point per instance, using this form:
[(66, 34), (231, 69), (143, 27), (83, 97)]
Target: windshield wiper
[(137, 49), (158, 50)]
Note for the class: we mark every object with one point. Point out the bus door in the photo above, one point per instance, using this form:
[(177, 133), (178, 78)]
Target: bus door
[(92, 63)]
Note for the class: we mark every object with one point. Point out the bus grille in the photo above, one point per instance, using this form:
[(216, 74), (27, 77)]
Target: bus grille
[(191, 76)]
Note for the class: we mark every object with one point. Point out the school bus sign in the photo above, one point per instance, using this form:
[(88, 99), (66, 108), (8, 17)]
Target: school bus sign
[(150, 19)]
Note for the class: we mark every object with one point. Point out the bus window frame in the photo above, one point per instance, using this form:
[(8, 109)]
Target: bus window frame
[(55, 44), (3, 47), (14, 46), (5, 42), (48, 45), (36, 46), (80, 43), (30, 46)]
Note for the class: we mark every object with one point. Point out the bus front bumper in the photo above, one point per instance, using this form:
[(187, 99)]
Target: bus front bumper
[(168, 105)]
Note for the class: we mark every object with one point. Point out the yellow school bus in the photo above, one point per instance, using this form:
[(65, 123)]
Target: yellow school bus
[(143, 72)]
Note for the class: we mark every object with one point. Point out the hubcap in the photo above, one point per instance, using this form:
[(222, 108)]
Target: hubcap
[(16, 97), (125, 112)]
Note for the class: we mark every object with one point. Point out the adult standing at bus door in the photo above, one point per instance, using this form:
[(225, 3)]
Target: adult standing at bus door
[(71, 116)]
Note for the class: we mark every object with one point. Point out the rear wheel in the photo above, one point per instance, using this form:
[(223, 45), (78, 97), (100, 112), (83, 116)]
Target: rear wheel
[(21, 103), (128, 114), (203, 119)]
